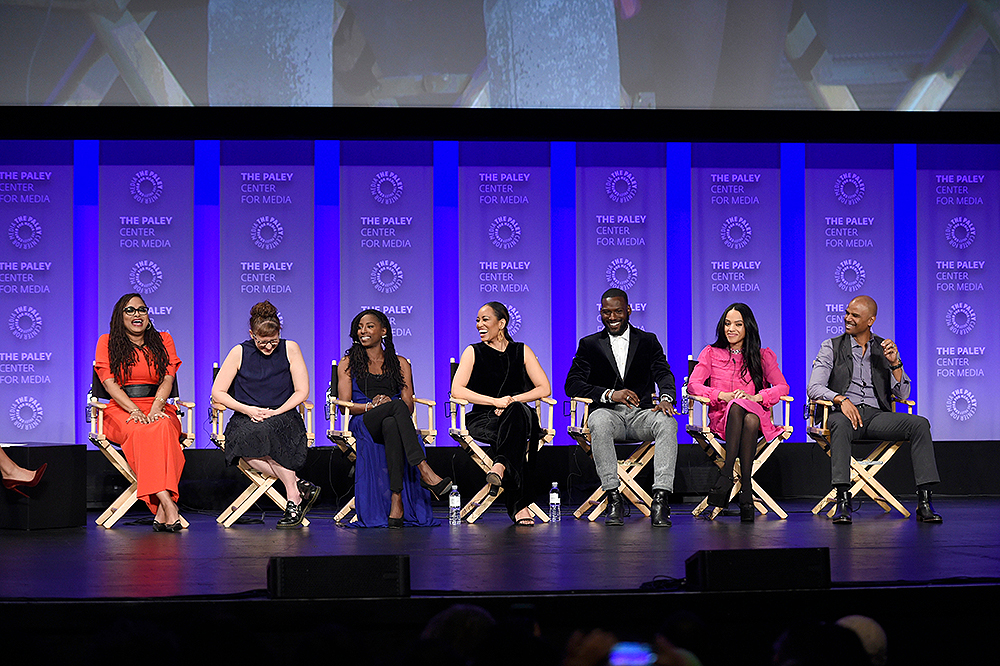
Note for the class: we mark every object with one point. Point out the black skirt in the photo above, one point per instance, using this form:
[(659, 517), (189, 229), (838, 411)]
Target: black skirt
[(282, 438)]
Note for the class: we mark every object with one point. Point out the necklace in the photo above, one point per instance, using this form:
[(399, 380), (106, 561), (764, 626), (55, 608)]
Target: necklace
[(736, 351)]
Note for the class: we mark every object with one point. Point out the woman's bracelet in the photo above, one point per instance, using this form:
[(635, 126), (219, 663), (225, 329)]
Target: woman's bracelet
[(163, 400), (369, 405)]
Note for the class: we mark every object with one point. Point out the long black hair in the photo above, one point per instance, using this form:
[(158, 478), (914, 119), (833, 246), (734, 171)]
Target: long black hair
[(501, 312), (122, 353), (752, 365), (357, 355)]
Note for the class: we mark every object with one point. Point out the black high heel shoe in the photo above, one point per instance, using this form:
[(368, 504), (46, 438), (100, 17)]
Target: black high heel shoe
[(394, 523), (721, 492), (747, 512), (495, 481), (439, 490)]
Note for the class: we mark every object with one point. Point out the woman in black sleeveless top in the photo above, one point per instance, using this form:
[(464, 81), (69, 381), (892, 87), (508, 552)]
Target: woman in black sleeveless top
[(498, 376), (263, 380)]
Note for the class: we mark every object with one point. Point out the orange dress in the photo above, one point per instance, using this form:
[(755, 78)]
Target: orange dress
[(153, 450)]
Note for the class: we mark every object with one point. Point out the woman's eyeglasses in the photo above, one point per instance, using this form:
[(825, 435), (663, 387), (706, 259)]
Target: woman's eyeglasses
[(129, 310), (265, 344)]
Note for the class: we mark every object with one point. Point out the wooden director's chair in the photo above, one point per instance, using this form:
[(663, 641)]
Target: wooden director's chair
[(482, 500), (338, 410), (628, 469), (260, 484), (698, 429), (862, 471), (95, 416)]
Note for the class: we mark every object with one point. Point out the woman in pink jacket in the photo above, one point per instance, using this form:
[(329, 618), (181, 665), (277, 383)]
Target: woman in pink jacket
[(743, 382)]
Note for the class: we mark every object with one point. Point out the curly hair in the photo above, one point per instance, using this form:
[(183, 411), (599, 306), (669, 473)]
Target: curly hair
[(264, 319), (752, 364), (357, 355), (123, 353)]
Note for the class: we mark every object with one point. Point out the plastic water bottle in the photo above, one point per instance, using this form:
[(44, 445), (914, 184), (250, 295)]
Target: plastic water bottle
[(555, 504), (454, 506)]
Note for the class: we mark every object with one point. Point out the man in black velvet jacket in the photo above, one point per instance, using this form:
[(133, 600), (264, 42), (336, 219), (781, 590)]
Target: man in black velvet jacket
[(620, 368)]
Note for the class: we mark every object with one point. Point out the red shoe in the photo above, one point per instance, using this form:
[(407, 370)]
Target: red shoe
[(11, 484)]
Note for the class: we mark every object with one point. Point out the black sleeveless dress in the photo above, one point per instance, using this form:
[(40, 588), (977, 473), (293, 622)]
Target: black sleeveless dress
[(514, 433), (265, 380)]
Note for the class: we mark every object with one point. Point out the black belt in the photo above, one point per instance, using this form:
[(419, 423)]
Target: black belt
[(140, 390)]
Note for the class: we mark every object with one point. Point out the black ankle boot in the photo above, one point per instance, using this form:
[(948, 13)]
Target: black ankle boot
[(616, 509), (925, 511), (723, 489), (843, 513), (659, 510)]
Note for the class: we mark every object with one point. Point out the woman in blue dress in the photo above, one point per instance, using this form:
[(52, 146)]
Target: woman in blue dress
[(391, 465)]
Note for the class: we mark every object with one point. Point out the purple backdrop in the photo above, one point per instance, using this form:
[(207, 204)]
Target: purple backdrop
[(266, 245), (849, 237), (958, 205), (387, 246), (504, 217), (735, 238), (146, 236), (36, 293), (621, 232)]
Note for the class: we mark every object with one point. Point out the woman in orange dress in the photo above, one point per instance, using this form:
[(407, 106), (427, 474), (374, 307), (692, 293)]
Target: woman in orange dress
[(138, 365)]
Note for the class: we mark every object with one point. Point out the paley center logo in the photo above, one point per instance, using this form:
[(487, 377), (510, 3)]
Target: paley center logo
[(960, 232), (26, 413), (621, 186), (146, 186), (505, 232), (266, 232), (386, 187), (145, 277), (622, 274), (960, 318), (961, 404), (387, 276), (736, 232), (25, 322), (849, 188), (849, 275), (24, 232), (514, 325)]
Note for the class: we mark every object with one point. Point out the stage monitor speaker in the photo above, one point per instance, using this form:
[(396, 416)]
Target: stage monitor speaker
[(338, 577), (759, 569)]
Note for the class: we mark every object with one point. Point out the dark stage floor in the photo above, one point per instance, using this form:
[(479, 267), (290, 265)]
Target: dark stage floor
[(491, 556), (92, 592)]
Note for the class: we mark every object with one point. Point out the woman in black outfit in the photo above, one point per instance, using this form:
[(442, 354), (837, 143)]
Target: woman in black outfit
[(498, 376), (380, 384)]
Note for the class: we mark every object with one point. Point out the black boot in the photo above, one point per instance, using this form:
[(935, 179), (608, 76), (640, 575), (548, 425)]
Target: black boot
[(925, 511), (721, 491), (659, 510), (843, 513), (615, 514)]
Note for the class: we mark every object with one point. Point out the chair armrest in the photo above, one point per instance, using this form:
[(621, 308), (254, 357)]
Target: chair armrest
[(693, 421), (586, 402), (429, 433), (457, 413)]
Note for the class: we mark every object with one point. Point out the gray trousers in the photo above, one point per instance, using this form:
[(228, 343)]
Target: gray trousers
[(879, 425), (622, 424)]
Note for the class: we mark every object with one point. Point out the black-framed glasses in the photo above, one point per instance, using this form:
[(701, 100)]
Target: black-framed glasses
[(265, 344), (131, 310)]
